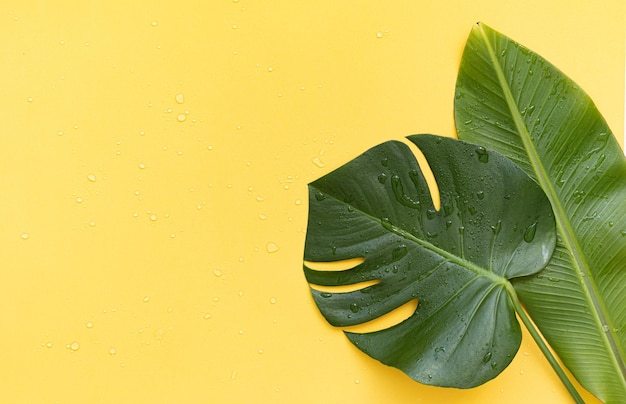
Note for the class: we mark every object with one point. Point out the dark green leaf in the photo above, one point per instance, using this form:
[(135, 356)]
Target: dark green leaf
[(494, 224)]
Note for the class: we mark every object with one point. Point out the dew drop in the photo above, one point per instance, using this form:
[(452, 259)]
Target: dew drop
[(483, 155), (496, 229), (260, 352), (112, 351), (153, 217), (480, 195), (262, 216), (217, 272), (25, 236), (207, 316), (487, 357), (146, 299), (74, 346), (379, 34), (529, 234), (89, 324), (180, 98), (154, 23), (273, 300), (605, 328), (91, 178), (79, 200), (326, 295), (382, 178), (354, 308), (399, 252), (316, 160), (181, 117), (272, 247)]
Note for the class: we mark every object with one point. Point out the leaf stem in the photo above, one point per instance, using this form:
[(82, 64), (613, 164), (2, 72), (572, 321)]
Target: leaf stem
[(542, 345)]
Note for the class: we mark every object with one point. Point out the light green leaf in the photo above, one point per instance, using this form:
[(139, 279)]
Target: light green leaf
[(514, 101), (494, 224)]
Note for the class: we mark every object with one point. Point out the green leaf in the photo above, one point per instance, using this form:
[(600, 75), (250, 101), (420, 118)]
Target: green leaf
[(494, 224), (514, 101)]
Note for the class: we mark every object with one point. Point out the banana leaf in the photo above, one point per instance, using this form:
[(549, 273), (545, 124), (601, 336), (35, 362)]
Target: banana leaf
[(512, 100)]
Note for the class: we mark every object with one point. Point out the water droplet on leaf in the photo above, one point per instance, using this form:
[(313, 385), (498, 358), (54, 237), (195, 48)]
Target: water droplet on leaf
[(483, 155), (529, 234)]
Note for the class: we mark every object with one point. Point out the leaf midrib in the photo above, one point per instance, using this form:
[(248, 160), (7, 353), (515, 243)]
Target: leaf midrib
[(478, 270), (570, 240)]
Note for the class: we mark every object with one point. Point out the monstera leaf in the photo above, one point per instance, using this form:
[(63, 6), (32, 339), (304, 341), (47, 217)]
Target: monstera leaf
[(514, 101), (494, 224)]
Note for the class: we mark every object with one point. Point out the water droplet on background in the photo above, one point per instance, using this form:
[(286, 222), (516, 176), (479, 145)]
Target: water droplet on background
[(91, 178), (181, 117), (272, 247), (217, 272), (146, 299), (379, 34), (74, 346), (180, 98), (207, 316), (25, 236), (318, 162)]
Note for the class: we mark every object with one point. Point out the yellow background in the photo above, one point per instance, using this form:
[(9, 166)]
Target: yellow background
[(153, 170)]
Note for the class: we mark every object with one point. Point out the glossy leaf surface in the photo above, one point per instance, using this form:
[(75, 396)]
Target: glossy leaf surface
[(514, 101), (494, 224)]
